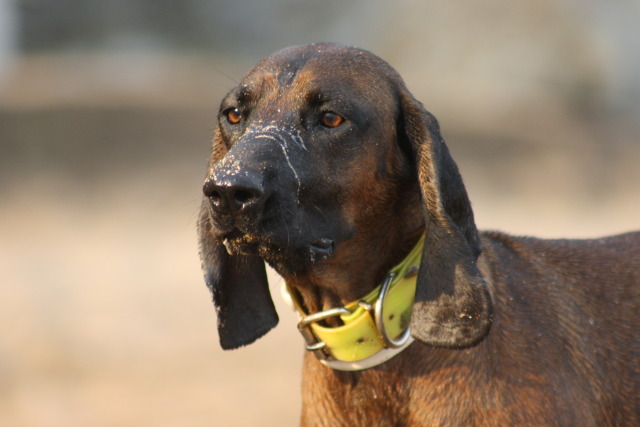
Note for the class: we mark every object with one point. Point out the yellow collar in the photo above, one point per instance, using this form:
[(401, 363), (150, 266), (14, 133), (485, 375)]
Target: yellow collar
[(375, 328)]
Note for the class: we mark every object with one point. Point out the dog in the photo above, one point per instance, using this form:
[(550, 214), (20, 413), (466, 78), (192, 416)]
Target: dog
[(326, 167)]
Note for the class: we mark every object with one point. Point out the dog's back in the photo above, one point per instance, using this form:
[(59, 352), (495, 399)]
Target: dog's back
[(568, 310)]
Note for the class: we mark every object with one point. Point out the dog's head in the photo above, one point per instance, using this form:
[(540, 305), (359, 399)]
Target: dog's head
[(319, 151)]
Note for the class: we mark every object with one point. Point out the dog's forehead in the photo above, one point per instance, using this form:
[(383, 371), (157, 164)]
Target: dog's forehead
[(321, 66)]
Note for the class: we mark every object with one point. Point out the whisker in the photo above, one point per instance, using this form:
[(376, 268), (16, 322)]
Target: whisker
[(217, 70)]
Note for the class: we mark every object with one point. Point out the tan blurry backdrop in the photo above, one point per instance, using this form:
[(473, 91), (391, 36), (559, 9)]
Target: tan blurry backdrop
[(104, 133)]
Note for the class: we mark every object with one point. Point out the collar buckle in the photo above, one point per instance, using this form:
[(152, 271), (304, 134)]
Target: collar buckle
[(391, 346), (313, 343), (375, 328)]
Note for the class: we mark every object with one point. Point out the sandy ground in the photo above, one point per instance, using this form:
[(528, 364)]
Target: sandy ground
[(105, 319)]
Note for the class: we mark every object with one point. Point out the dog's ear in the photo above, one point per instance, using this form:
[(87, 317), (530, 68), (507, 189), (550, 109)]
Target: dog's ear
[(238, 283), (452, 307)]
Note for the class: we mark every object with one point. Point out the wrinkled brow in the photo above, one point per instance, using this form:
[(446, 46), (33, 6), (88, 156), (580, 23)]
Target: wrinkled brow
[(245, 94)]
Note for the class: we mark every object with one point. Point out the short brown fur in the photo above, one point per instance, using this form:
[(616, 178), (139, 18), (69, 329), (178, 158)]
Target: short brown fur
[(509, 330)]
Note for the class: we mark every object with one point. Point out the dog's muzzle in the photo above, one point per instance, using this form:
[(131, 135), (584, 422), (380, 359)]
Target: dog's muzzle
[(237, 200)]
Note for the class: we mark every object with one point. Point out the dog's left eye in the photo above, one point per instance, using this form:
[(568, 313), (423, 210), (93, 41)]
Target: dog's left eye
[(233, 115), (331, 120)]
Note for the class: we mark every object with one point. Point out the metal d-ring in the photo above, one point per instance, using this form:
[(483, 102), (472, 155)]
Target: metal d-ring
[(313, 343), (379, 318)]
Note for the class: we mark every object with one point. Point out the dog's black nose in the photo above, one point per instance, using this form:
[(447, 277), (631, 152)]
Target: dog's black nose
[(234, 194)]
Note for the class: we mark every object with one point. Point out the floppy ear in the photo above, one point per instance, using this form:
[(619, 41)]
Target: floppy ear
[(452, 305), (238, 283)]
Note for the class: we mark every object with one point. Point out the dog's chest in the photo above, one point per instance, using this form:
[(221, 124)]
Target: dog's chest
[(445, 396)]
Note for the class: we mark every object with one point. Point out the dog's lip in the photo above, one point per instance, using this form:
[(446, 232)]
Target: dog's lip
[(238, 241), (323, 244), (233, 240), (231, 235), (321, 249)]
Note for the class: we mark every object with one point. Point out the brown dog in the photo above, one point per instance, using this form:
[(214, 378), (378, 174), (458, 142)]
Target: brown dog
[(327, 168)]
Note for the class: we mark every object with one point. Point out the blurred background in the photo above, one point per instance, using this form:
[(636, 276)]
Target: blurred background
[(106, 115)]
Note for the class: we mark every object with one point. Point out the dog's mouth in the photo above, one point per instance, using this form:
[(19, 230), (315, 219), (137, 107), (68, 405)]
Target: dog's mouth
[(238, 243), (287, 256), (321, 249)]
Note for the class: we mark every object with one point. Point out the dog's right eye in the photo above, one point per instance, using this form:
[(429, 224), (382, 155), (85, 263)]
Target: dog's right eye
[(330, 119), (233, 115)]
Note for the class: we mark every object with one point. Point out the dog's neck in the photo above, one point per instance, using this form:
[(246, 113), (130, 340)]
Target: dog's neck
[(359, 264)]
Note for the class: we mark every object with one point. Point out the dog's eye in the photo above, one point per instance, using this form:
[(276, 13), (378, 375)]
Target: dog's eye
[(331, 120), (233, 115)]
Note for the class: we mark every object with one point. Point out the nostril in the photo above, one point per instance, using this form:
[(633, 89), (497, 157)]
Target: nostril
[(232, 194), (213, 193), (210, 189), (243, 197), (215, 197)]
